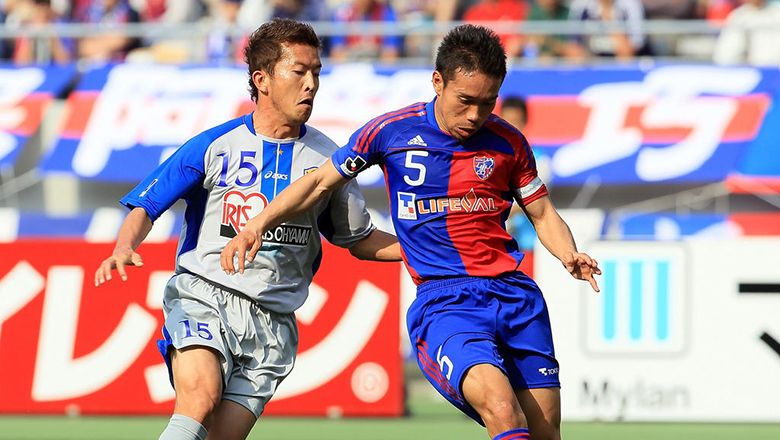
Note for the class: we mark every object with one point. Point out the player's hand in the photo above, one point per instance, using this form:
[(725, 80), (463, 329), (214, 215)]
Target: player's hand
[(118, 260), (582, 267), (246, 243)]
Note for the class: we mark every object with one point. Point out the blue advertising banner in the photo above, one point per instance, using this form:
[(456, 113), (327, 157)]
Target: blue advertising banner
[(615, 125), (25, 95)]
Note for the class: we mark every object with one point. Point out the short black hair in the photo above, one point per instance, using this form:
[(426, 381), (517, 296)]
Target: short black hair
[(515, 101), (264, 48), (471, 48)]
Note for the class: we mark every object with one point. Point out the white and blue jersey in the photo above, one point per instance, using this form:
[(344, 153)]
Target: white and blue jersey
[(229, 174)]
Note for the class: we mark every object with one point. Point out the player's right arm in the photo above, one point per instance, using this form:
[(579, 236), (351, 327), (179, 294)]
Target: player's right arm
[(182, 172), (301, 196), (134, 229)]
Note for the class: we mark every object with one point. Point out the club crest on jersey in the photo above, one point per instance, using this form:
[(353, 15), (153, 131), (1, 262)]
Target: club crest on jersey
[(237, 209), (484, 166)]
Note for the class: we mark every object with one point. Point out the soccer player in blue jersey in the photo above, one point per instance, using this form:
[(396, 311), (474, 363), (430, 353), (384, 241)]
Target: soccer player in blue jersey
[(480, 327), (230, 340)]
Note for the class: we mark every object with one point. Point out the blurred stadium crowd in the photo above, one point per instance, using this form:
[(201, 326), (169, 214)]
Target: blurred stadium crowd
[(569, 31)]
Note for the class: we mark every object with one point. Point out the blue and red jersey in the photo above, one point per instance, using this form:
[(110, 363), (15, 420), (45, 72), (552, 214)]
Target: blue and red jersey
[(449, 199)]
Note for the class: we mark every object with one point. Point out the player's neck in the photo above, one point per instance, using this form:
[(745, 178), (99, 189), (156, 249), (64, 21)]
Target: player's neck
[(438, 117), (270, 125)]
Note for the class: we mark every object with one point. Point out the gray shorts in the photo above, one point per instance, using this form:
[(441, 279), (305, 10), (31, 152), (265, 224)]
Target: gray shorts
[(258, 346)]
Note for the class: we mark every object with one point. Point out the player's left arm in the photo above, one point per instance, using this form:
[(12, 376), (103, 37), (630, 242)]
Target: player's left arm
[(555, 235), (379, 246)]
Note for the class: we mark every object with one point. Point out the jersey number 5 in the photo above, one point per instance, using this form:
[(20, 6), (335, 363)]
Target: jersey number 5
[(421, 170)]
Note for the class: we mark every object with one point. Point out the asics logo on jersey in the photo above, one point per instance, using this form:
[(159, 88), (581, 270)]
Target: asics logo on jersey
[(417, 140), (409, 207), (352, 166), (237, 209), (484, 166), (275, 176)]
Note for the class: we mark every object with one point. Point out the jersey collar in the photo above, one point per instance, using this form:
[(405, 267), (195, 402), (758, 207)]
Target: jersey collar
[(430, 114), (251, 126)]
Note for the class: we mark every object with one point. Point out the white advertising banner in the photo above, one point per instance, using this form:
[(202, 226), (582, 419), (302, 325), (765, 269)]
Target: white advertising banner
[(681, 331)]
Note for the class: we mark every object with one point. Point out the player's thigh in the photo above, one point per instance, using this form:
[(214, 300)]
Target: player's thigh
[(232, 422), (197, 371), (265, 354), (542, 409)]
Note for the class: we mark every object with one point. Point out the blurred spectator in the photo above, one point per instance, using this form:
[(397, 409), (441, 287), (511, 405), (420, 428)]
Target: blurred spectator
[(42, 50), (550, 45), (515, 111), (300, 10), (111, 46), (253, 12), (169, 11), (673, 9), (628, 14), (358, 46), (443, 10), (5, 52), (664, 45), (174, 11), (162, 47), (751, 35), (151, 11), (222, 44), (718, 10), (419, 13), (501, 10)]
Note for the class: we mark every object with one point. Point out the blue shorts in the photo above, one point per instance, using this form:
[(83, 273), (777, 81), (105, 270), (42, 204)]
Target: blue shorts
[(457, 323)]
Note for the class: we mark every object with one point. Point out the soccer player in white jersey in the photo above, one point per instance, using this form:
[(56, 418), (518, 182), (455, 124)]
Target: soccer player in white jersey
[(230, 340)]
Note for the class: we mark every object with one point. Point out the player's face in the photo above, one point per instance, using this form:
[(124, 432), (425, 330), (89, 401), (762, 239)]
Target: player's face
[(464, 102), (295, 81)]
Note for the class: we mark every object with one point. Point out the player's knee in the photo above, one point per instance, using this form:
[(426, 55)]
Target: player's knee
[(199, 406), (196, 399), (502, 412)]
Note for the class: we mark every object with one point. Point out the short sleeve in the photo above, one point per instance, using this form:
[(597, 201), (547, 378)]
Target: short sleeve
[(345, 221), (525, 180), (172, 180), (365, 148)]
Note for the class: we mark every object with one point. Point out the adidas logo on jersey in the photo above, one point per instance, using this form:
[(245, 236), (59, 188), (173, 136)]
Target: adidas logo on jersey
[(417, 140)]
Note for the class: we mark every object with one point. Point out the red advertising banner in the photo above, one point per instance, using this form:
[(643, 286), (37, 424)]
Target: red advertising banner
[(69, 347)]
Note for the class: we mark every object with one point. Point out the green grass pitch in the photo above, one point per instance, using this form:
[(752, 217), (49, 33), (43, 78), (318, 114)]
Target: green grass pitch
[(430, 421)]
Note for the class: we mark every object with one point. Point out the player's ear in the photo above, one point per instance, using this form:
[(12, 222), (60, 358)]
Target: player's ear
[(260, 79), (438, 82)]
